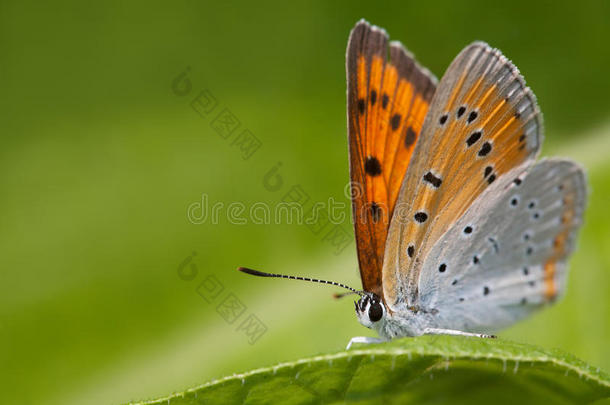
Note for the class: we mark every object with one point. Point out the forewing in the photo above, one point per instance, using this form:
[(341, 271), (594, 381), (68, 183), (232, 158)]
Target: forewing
[(507, 256), (482, 122), (387, 100)]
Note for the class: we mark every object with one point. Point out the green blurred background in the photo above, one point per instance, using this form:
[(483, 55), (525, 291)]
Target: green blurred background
[(101, 159)]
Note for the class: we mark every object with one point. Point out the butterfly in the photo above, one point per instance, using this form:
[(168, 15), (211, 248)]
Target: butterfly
[(458, 229)]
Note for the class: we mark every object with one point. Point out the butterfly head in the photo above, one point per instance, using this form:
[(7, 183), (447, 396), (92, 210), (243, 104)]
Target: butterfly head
[(370, 310)]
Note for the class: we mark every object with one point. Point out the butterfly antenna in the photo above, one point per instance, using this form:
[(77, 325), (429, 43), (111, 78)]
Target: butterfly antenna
[(337, 295), (314, 280)]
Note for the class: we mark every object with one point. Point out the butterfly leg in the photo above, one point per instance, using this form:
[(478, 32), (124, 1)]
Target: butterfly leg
[(435, 331), (363, 339)]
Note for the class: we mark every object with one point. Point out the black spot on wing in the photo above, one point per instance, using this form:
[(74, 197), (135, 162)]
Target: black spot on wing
[(373, 97), (375, 211), (361, 106), (372, 166), (472, 116), (489, 175), (432, 179), (384, 100), (485, 149), (473, 138), (421, 217), (395, 121), (409, 137)]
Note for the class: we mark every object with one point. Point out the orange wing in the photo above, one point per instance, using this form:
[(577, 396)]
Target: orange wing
[(483, 122), (387, 101)]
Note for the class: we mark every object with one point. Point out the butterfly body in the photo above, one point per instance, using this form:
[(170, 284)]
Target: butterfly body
[(458, 229), (404, 321)]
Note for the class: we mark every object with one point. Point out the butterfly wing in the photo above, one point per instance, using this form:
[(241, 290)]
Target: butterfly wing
[(482, 122), (387, 101), (507, 256)]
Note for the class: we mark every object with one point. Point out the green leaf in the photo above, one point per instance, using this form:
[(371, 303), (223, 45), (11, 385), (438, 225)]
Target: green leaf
[(422, 370)]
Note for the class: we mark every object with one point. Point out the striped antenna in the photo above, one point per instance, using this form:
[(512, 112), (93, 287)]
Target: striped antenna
[(314, 280)]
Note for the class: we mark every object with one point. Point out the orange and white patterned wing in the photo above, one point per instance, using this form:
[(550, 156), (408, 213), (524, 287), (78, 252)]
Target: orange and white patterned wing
[(482, 122), (387, 101), (507, 256)]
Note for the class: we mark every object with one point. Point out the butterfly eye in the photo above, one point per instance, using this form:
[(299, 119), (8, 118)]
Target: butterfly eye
[(375, 311)]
